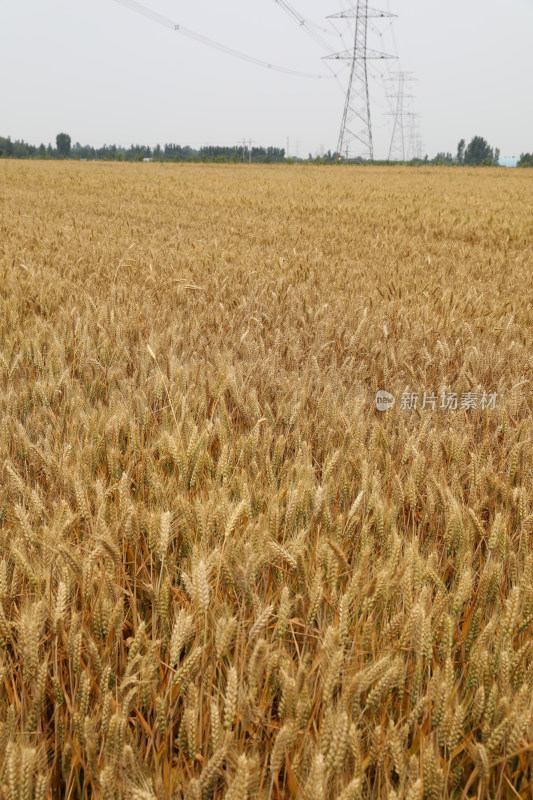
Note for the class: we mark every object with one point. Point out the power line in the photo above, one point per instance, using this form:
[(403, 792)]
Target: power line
[(133, 5), (299, 18), (310, 28)]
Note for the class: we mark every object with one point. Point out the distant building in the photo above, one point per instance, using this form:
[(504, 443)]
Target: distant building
[(146, 160)]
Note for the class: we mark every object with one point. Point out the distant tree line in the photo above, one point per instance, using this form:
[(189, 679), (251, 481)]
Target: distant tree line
[(137, 152), (477, 153)]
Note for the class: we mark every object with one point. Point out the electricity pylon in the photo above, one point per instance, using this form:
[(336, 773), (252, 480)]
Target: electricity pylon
[(356, 126), (402, 146)]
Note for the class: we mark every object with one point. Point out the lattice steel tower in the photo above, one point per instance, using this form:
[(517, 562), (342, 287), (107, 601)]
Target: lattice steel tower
[(402, 145), (356, 126)]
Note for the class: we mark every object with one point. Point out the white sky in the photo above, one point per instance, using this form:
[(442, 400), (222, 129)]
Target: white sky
[(104, 74)]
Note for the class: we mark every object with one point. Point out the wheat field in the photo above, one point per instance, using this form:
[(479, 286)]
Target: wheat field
[(224, 573)]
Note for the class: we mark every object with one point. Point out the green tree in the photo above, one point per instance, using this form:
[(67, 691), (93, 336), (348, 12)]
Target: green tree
[(20, 150), (461, 152), (63, 142), (443, 158), (478, 152), (6, 147), (496, 157), (525, 160)]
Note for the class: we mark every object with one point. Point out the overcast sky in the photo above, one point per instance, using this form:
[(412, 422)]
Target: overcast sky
[(105, 74)]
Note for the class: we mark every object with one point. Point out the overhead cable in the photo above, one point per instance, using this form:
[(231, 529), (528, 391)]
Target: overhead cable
[(133, 5), (306, 25)]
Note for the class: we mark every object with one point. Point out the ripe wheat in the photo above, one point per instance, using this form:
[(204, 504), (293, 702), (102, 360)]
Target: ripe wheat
[(224, 572)]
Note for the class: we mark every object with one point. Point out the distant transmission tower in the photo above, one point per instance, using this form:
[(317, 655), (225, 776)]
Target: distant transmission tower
[(402, 145), (356, 126)]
